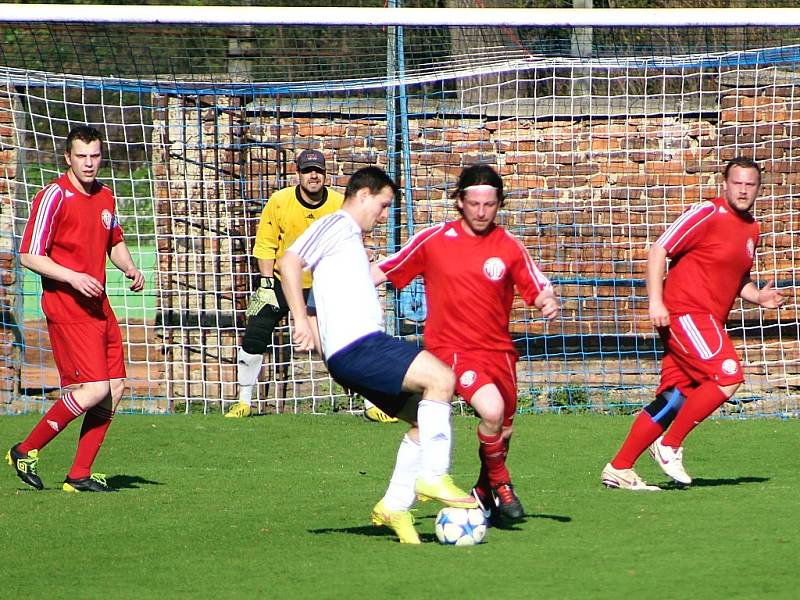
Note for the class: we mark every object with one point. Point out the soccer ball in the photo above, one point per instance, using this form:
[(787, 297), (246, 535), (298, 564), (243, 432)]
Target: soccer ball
[(460, 526)]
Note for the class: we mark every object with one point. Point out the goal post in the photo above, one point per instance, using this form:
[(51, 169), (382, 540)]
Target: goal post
[(600, 144)]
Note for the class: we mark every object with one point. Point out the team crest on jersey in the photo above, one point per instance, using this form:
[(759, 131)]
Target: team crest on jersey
[(729, 366), (751, 248), (494, 268), (107, 218), (467, 378)]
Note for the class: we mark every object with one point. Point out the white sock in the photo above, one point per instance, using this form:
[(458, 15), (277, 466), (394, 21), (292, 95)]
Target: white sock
[(435, 438), (248, 367), (367, 404), (400, 494)]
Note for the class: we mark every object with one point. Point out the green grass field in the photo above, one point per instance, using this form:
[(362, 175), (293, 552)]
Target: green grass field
[(277, 507)]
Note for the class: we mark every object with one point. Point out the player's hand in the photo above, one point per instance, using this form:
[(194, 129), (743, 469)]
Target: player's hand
[(770, 297), (137, 278), (303, 335), (548, 304), (659, 315), (263, 296), (86, 285)]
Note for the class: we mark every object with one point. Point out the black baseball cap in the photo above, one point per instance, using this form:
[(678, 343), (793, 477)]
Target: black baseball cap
[(311, 158)]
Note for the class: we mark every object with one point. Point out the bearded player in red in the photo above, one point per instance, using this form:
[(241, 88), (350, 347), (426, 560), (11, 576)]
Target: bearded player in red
[(72, 229), (711, 247), (470, 268)]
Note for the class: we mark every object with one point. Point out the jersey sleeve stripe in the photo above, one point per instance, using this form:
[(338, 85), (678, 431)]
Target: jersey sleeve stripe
[(389, 264), (325, 225), (540, 280), (42, 227), (684, 225)]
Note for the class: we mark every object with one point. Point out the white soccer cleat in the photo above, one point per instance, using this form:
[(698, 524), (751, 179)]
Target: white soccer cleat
[(625, 479), (670, 461)]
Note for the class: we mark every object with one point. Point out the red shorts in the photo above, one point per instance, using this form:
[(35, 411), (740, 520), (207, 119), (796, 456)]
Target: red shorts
[(474, 370), (87, 351), (698, 349)]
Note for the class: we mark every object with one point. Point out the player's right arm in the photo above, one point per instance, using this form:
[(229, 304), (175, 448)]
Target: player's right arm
[(35, 248), (47, 267), (679, 238), (291, 268), (656, 267)]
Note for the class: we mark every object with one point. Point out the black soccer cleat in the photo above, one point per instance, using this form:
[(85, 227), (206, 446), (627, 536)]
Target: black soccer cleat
[(95, 483), (25, 466), (508, 504), (485, 503)]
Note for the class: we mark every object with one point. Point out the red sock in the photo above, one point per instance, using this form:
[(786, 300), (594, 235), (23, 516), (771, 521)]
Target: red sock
[(492, 451), (699, 404), (644, 432), (55, 420), (93, 432)]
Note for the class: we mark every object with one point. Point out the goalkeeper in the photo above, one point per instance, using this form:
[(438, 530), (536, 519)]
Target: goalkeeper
[(286, 215)]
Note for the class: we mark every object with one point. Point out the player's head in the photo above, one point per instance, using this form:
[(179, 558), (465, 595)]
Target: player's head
[(311, 173), (368, 196), (742, 180), (479, 195), (83, 153)]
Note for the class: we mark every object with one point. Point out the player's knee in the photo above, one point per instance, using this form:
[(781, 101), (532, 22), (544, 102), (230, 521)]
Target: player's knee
[(92, 394), (492, 416), (117, 388), (729, 390), (665, 407)]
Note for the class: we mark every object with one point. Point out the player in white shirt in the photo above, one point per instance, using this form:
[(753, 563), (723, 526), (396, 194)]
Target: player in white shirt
[(397, 376)]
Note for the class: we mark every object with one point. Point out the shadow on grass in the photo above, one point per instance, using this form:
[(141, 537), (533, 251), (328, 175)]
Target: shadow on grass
[(700, 482), (369, 531), (373, 531), (129, 482)]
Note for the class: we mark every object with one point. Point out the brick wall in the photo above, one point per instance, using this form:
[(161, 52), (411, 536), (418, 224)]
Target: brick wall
[(10, 350)]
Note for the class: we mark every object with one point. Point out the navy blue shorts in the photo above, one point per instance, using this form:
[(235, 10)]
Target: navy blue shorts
[(374, 366)]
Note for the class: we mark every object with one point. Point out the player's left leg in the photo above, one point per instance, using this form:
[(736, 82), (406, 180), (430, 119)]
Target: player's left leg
[(394, 509), (97, 419), (703, 349)]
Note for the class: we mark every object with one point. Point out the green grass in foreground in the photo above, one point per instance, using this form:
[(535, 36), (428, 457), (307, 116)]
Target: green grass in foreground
[(277, 507)]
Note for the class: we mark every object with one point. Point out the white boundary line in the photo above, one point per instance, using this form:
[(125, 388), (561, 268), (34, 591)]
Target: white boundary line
[(468, 17)]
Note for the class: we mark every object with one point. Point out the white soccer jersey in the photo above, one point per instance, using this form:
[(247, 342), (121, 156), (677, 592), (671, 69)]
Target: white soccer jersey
[(347, 301)]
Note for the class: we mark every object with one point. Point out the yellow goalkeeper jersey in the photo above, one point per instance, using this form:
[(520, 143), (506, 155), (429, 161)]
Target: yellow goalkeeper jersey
[(285, 216)]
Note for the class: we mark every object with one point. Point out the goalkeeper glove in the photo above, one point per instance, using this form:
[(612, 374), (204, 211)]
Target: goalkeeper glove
[(262, 297)]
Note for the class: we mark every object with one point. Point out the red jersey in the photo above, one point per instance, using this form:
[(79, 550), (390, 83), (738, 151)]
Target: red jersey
[(469, 284), (712, 248), (76, 230)]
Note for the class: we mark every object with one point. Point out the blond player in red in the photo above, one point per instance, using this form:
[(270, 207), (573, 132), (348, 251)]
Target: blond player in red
[(711, 247), (470, 267), (72, 229)]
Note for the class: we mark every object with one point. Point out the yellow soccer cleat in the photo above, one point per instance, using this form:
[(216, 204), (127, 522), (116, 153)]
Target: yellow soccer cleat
[(239, 411), (401, 522), (442, 489), (373, 413)]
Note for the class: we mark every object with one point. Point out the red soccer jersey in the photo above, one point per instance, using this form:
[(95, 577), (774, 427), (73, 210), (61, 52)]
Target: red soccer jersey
[(712, 248), (469, 284), (76, 230)]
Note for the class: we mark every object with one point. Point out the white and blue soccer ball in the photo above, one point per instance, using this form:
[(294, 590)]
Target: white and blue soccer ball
[(460, 526)]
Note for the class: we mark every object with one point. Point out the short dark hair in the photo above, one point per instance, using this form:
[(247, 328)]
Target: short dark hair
[(83, 133), (744, 163), (479, 174), (372, 178)]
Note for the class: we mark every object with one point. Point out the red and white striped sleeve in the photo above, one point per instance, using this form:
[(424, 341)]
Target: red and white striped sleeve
[(528, 278), (408, 262), (38, 235), (687, 229)]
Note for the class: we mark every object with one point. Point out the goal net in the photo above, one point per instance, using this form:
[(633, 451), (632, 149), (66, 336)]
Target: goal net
[(603, 136)]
